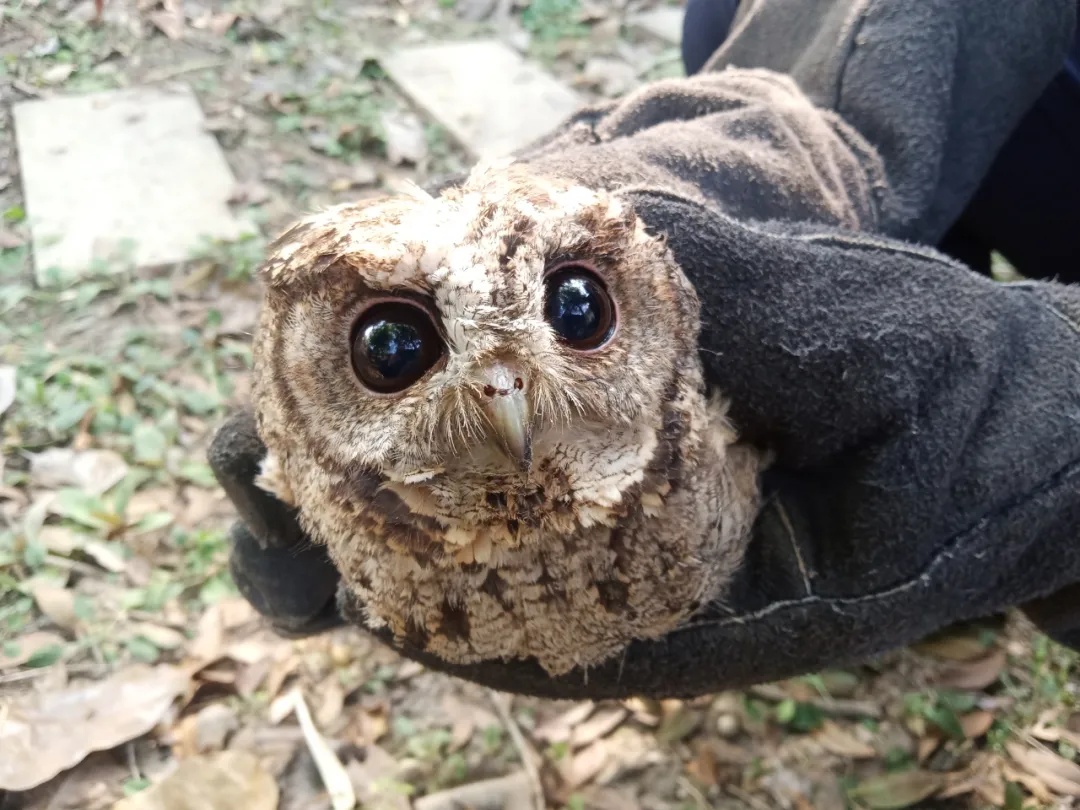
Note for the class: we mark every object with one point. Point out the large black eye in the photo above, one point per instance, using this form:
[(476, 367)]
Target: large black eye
[(394, 343), (578, 308)]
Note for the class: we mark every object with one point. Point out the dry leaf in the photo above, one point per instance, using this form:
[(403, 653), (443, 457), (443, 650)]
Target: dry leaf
[(1043, 730), (223, 781), (976, 724), (974, 675), (46, 733), (249, 651), (927, 746), (58, 605), (646, 712), (280, 673), (372, 725), (93, 471), (982, 777), (235, 612), (843, 743), (513, 791), (219, 24), (586, 764), (559, 728), (703, 767), (953, 648), (679, 724), (61, 540), (24, 648), (170, 23), (897, 790), (7, 387), (165, 638), (108, 558), (57, 73), (1035, 786), (331, 705), (209, 642), (599, 725), (1057, 773)]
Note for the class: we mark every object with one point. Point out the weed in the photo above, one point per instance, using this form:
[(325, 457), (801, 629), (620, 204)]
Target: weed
[(236, 260)]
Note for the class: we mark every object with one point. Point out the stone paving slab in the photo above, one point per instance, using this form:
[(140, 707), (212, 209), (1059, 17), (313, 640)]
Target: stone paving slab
[(103, 168), (664, 23), (490, 99)]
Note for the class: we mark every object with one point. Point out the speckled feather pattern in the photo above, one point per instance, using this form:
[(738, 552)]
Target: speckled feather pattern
[(637, 507)]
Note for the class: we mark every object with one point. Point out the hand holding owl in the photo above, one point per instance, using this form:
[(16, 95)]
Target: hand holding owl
[(660, 408)]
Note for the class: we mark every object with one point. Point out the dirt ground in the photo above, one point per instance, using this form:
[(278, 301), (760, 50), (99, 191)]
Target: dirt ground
[(131, 674)]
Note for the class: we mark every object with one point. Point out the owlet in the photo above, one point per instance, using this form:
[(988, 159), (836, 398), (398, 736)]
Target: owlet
[(489, 406)]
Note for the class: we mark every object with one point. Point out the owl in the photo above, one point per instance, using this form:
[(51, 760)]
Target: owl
[(489, 406)]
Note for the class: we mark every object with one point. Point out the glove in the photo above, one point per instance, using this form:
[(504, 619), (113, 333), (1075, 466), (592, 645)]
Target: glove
[(924, 422), (922, 419)]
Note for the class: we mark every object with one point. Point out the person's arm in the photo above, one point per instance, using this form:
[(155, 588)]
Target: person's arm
[(703, 159), (921, 94), (926, 425)]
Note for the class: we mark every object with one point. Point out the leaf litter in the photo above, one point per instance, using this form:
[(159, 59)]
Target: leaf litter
[(42, 735)]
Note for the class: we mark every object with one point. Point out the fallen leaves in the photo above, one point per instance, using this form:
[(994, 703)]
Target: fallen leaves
[(22, 650), (843, 743), (512, 791), (92, 471), (44, 734), (975, 674), (223, 781), (1060, 775), (897, 790), (169, 19), (57, 605)]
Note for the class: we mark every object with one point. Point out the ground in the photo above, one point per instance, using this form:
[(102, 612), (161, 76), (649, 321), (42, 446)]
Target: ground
[(129, 669)]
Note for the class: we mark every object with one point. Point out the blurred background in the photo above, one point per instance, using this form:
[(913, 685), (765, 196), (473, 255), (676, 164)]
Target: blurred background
[(149, 150)]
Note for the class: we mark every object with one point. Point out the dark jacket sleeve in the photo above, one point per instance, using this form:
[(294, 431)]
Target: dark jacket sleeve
[(927, 428), (876, 115)]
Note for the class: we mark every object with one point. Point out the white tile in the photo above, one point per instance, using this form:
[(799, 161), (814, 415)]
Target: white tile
[(665, 22), (104, 168), (489, 98)]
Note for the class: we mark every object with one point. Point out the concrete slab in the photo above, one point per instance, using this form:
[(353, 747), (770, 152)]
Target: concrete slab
[(664, 23), (104, 168), (488, 97)]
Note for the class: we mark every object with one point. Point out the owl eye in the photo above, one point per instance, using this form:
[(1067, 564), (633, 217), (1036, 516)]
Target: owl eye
[(578, 307), (394, 344)]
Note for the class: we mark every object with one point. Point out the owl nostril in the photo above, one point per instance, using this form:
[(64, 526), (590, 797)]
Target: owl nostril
[(492, 391)]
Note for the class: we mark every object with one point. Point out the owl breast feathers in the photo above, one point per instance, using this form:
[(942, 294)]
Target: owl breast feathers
[(489, 406)]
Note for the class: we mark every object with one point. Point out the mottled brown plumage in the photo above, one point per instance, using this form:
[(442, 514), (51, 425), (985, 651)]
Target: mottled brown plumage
[(623, 506)]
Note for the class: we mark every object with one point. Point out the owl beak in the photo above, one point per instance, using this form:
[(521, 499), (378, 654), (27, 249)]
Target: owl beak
[(507, 410)]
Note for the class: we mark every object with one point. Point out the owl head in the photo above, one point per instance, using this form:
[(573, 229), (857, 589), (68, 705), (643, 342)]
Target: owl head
[(516, 335)]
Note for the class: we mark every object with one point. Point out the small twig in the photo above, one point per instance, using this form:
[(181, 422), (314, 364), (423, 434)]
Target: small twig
[(530, 760), (164, 74), (133, 762), (37, 672), (850, 709)]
